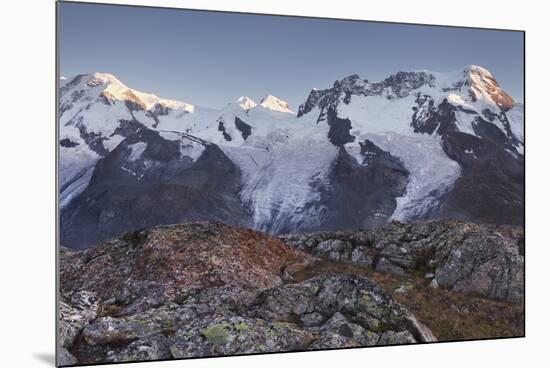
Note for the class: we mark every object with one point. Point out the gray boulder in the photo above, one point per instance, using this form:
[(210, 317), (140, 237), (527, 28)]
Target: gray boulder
[(150, 348), (65, 358), (76, 310)]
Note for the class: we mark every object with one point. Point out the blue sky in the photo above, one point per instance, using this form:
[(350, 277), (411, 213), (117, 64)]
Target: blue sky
[(210, 59)]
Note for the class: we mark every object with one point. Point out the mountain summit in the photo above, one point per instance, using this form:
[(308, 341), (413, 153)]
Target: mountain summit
[(483, 85), (246, 103), (273, 103), (112, 89)]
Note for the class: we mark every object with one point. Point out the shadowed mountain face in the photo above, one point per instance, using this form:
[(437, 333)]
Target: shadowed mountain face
[(417, 145), (491, 185), (362, 195), (149, 180)]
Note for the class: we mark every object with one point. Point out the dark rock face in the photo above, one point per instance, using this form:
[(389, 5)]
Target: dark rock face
[(127, 128), (485, 260), (362, 195), (491, 187), (162, 186), (489, 116), (429, 119), (243, 127), (441, 119), (338, 133), (402, 83), (159, 110), (207, 289), (221, 128), (396, 85), (92, 139), (489, 131), (67, 143)]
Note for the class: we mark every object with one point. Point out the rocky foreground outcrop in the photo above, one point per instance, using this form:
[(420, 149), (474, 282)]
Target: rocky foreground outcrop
[(202, 289), (484, 260), (206, 289)]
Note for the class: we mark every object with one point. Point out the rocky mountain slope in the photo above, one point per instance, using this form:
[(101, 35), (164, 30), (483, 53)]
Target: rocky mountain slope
[(206, 289), (417, 145)]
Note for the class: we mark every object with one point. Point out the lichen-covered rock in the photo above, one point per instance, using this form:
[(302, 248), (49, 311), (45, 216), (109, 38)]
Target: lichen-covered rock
[(76, 310), (396, 338), (327, 311), (166, 319), (205, 289), (238, 335), (336, 297), (489, 268), (118, 330), (312, 319), (355, 333), (361, 256), (484, 260), (150, 348), (145, 269), (334, 249), (383, 264)]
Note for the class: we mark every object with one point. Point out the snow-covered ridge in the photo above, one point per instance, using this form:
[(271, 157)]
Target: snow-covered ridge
[(284, 159), (115, 89), (472, 87), (473, 90), (112, 88)]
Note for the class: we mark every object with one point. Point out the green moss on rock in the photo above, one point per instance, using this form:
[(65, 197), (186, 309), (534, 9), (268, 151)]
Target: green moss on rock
[(216, 334)]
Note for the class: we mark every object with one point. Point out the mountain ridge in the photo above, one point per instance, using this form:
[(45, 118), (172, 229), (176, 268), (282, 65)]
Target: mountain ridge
[(452, 137)]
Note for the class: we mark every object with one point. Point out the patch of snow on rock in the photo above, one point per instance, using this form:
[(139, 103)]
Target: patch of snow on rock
[(137, 150)]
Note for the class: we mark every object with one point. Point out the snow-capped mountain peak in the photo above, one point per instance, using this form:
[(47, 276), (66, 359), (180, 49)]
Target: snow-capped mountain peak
[(484, 85), (246, 103), (478, 70), (112, 89), (273, 103), (106, 81)]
